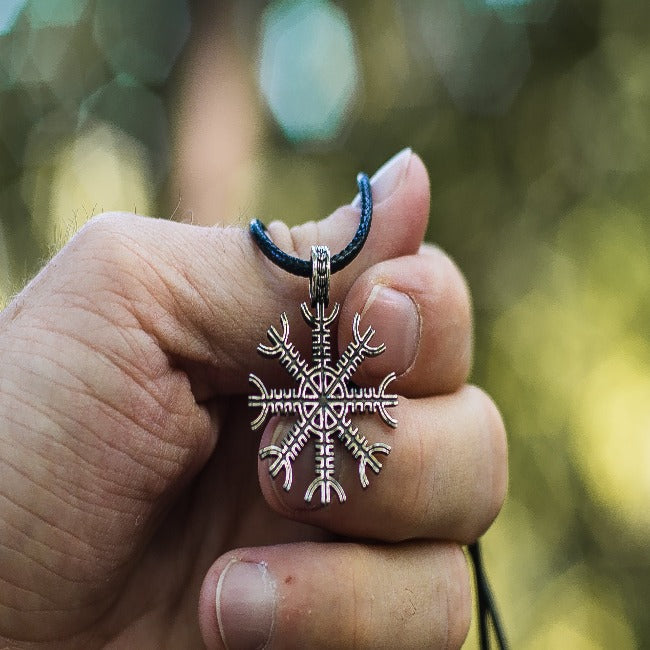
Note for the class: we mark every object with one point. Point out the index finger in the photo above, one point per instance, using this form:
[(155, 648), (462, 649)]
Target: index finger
[(207, 295)]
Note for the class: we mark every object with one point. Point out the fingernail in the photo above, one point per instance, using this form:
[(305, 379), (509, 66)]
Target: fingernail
[(246, 600), (394, 317), (388, 177)]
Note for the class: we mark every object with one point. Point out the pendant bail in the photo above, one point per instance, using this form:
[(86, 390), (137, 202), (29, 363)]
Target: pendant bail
[(319, 281)]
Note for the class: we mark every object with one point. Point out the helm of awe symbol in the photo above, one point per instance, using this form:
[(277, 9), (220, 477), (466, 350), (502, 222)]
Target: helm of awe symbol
[(323, 402)]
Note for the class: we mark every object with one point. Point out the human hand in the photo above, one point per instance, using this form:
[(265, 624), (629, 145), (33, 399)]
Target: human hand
[(130, 507)]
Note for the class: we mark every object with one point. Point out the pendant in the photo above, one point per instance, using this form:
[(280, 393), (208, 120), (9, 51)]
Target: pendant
[(325, 396)]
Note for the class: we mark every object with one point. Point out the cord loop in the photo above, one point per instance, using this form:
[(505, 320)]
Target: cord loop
[(295, 265)]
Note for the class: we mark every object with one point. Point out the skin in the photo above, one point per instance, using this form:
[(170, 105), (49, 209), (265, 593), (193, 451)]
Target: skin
[(129, 477)]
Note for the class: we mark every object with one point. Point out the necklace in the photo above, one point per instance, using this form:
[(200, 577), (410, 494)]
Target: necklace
[(325, 395)]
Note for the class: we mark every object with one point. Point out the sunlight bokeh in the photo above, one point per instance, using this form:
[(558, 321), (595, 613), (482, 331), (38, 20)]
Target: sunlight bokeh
[(308, 69), (101, 169), (612, 445)]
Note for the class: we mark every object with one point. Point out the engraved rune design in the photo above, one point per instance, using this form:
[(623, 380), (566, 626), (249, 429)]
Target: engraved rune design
[(322, 402)]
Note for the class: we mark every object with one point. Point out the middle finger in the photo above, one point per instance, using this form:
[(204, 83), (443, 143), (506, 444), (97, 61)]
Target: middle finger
[(445, 477)]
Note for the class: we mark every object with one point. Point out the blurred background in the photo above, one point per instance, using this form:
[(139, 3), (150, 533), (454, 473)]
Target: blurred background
[(533, 117)]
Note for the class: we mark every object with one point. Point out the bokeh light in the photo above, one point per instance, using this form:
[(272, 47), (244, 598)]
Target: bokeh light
[(45, 49), (141, 39), (101, 169), (530, 12), (481, 59), (9, 10), (308, 69), (614, 423), (60, 13), (136, 110)]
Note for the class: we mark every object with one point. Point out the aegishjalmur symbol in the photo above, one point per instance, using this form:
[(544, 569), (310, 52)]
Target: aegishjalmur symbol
[(322, 402)]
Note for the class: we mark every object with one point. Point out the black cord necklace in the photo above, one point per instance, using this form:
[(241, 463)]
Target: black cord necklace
[(325, 396), (303, 268), (486, 605)]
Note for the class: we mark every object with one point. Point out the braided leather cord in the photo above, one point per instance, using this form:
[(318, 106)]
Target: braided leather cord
[(295, 265)]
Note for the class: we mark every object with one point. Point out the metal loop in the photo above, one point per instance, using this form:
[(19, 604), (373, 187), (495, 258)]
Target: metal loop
[(319, 281), (295, 265)]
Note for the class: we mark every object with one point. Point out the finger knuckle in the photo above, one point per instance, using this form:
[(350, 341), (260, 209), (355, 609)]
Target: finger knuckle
[(105, 241), (498, 448), (104, 226), (459, 597), (449, 314), (495, 457), (458, 304)]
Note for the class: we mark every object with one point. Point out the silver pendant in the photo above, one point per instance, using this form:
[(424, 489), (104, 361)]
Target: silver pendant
[(325, 397)]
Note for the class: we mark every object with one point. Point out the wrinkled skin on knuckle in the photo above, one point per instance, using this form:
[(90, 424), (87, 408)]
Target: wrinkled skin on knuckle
[(113, 257), (491, 457), (174, 283), (457, 316), (498, 449), (423, 601)]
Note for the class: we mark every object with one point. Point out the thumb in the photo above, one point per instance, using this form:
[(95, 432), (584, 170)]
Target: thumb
[(225, 293)]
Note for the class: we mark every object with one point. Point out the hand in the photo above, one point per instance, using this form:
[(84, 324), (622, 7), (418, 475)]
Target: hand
[(130, 506)]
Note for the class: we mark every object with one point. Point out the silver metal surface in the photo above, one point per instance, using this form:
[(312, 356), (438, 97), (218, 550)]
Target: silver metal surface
[(324, 398), (319, 282)]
